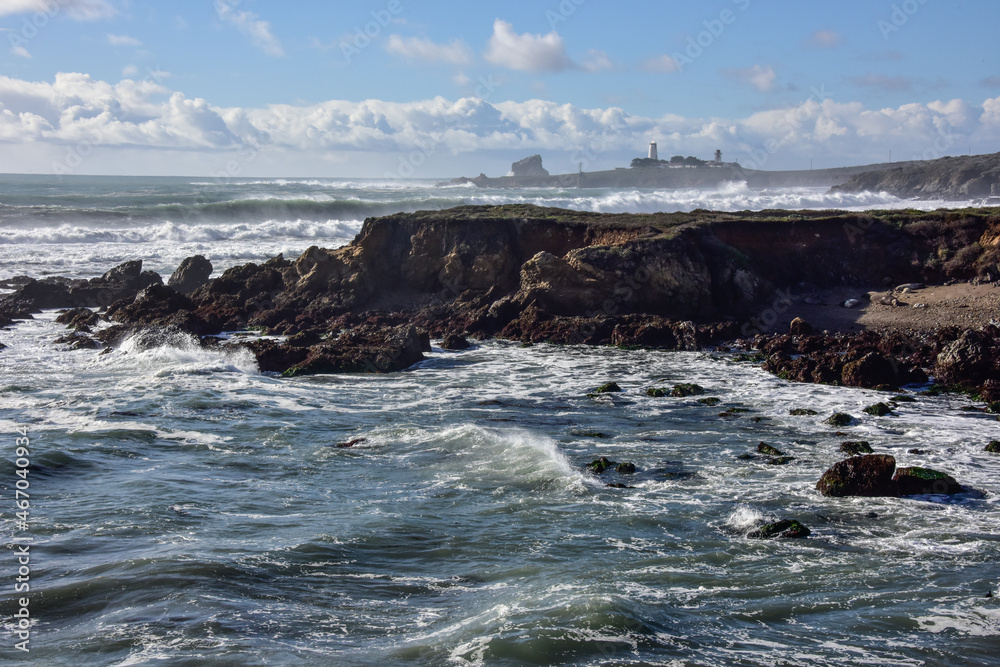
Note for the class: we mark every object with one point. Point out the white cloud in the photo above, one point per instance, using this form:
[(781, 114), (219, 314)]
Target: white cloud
[(527, 52), (455, 52), (824, 39), (81, 10), (761, 78), (662, 64), (20, 52), (123, 40), (250, 25), (145, 115)]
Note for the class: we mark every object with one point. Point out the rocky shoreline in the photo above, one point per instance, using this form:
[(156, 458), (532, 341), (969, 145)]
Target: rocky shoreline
[(684, 281), (729, 282)]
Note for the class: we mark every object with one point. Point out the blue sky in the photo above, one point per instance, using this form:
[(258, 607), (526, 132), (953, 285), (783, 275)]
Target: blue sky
[(428, 88)]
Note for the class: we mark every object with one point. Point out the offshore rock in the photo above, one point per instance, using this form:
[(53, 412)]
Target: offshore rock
[(869, 475), (786, 528), (529, 166)]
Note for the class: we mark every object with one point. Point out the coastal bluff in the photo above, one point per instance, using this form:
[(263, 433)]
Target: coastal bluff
[(521, 272)]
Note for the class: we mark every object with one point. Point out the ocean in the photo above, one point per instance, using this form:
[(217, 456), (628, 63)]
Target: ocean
[(187, 509)]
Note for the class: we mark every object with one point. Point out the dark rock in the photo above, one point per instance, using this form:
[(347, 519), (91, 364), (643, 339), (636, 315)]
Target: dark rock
[(869, 475), (350, 443), (78, 317), (711, 400), (765, 448), (839, 419), (786, 528), (923, 481), (608, 388), (802, 412), (78, 341), (903, 398), (454, 341), (192, 273), (993, 447), (965, 361), (378, 350), (157, 305), (687, 389), (871, 370), (856, 448), (878, 410), (917, 452), (625, 468), (799, 327), (657, 392)]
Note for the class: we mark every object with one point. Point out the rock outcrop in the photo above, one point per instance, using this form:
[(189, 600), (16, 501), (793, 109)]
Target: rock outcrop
[(192, 273), (529, 166)]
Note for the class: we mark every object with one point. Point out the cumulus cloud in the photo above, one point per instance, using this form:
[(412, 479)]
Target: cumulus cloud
[(146, 115), (761, 78), (662, 64), (824, 39), (250, 25), (123, 40), (455, 52), (527, 52)]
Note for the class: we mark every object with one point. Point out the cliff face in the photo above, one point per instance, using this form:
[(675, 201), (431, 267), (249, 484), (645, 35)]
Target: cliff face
[(947, 178)]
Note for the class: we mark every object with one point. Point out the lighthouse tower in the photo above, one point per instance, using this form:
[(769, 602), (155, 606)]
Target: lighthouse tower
[(652, 151)]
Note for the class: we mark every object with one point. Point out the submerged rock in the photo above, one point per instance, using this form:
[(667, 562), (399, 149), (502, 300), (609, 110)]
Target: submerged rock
[(597, 466), (626, 468), (869, 475), (608, 388), (802, 412), (455, 341), (786, 528), (657, 392), (993, 447)]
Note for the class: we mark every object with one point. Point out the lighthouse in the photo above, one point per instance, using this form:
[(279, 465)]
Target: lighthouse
[(652, 151)]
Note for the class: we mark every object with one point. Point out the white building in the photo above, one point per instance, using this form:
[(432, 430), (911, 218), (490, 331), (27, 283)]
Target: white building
[(652, 151)]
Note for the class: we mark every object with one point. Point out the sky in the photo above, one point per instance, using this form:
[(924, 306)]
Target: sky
[(440, 88)]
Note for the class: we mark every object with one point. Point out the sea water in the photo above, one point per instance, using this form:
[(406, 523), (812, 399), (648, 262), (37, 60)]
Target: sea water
[(187, 509)]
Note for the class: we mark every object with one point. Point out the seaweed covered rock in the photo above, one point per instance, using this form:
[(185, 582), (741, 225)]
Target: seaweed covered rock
[(869, 475), (878, 410), (993, 447), (608, 388), (915, 481), (786, 528), (802, 412), (856, 448), (839, 419), (765, 448), (687, 389)]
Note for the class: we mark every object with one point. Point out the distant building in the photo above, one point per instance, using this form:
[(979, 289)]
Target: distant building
[(718, 157), (652, 151)]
